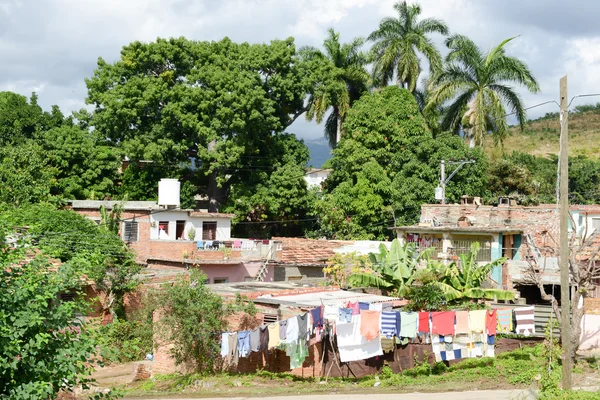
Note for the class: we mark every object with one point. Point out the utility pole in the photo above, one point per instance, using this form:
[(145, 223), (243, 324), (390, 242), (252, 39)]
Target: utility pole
[(443, 181), (565, 303)]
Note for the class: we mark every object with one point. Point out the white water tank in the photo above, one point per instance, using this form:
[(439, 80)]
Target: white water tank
[(168, 192)]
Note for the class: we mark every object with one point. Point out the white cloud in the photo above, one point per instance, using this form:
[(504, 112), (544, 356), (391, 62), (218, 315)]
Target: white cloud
[(51, 46)]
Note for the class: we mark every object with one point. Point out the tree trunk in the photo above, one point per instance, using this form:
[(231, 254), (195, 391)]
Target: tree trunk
[(576, 323), (338, 134), (216, 195)]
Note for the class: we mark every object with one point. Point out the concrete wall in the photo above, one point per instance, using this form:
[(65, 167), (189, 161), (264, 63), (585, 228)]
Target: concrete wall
[(541, 222), (223, 224)]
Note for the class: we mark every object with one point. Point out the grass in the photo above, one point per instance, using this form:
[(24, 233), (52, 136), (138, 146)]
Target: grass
[(540, 137), (517, 369)]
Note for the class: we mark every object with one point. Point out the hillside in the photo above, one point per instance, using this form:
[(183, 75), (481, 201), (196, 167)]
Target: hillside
[(540, 137)]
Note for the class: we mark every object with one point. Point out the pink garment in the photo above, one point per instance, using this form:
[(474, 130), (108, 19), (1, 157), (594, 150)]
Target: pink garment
[(354, 307), (442, 323), (462, 322)]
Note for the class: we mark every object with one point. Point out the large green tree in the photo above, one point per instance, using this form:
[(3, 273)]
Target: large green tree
[(275, 190), (397, 42), (476, 85), (387, 165), (87, 166), (222, 102), (26, 175), (348, 81)]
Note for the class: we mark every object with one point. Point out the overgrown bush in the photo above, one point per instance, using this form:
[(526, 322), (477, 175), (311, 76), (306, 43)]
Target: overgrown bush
[(124, 341), (192, 319)]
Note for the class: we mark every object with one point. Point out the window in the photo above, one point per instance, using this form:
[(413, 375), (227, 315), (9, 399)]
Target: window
[(220, 280), (209, 230), (269, 318), (179, 230), (163, 230), (596, 224), (130, 231)]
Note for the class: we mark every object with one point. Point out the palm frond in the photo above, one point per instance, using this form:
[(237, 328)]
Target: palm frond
[(368, 280)]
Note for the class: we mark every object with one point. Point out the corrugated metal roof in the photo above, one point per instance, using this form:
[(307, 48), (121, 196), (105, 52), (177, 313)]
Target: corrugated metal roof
[(325, 298)]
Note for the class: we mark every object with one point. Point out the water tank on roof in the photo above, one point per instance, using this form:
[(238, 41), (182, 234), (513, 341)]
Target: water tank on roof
[(168, 192)]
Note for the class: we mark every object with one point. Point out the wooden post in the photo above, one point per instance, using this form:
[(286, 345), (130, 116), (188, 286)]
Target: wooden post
[(565, 303)]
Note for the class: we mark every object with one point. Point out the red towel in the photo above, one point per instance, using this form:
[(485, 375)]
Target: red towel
[(442, 323), (491, 322), (423, 326)]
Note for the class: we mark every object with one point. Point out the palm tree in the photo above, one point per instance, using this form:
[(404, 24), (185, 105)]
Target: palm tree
[(397, 42), (348, 81), (476, 85)]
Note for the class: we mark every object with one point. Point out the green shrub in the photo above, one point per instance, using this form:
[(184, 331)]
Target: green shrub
[(124, 341)]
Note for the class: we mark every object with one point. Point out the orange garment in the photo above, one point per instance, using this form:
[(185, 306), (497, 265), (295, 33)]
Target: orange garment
[(491, 322), (462, 322), (369, 324)]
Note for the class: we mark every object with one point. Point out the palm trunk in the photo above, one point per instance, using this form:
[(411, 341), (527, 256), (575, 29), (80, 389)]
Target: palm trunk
[(338, 134)]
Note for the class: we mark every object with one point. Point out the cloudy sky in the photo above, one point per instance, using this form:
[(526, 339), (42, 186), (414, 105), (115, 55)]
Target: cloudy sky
[(50, 46)]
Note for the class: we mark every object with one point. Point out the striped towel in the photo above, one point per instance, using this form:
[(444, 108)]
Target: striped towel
[(504, 320), (390, 323), (525, 320)]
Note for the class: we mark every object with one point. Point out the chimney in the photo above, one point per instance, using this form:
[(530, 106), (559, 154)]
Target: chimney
[(168, 193)]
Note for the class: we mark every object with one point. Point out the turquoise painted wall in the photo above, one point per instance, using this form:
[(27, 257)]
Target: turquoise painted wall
[(517, 243)]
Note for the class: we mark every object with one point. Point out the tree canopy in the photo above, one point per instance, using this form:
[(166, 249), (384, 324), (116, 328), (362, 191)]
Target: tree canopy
[(397, 41), (222, 102), (476, 85), (349, 80), (387, 165)]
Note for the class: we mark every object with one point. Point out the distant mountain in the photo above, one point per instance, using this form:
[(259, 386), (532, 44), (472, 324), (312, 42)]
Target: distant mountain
[(319, 152)]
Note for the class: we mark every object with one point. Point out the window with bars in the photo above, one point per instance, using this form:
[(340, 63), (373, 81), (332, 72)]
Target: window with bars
[(269, 318), (209, 231), (130, 231), (596, 224), (464, 247)]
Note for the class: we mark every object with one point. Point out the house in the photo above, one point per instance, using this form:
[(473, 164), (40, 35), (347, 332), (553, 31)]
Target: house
[(168, 239), (526, 236), (301, 259), (315, 177)]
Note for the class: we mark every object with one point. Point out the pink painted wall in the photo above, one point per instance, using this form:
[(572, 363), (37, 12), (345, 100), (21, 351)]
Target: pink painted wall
[(236, 273), (590, 332)]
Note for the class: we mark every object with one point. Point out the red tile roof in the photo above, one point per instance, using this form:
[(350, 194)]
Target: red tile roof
[(308, 252)]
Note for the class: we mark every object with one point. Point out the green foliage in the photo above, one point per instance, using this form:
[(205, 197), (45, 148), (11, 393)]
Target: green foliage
[(74, 239), (193, 318), (341, 266), (275, 191), (124, 341), (346, 81), (426, 298), (475, 85), (226, 102), (463, 280), (44, 346), (87, 166), (392, 270), (386, 166), (21, 120), (397, 41), (26, 175), (532, 179)]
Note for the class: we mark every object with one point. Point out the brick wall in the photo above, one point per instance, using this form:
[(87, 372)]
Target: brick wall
[(541, 222)]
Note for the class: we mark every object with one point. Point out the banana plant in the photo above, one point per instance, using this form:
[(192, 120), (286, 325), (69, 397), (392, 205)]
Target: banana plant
[(465, 279), (392, 270)]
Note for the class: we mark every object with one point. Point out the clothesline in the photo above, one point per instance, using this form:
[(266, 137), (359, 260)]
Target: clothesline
[(366, 330)]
